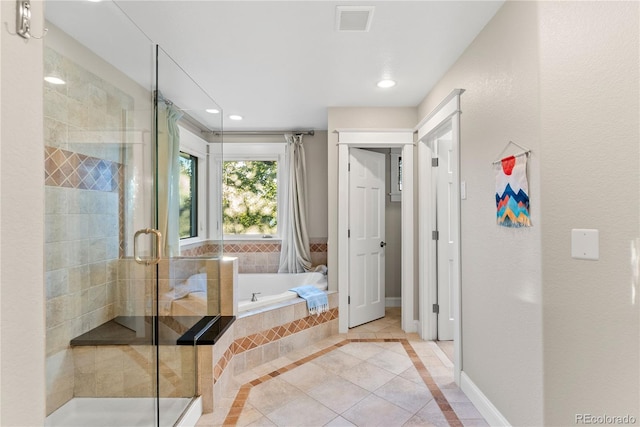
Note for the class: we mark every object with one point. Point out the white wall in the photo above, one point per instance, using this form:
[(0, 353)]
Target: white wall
[(590, 169), (22, 350), (501, 284), (350, 118)]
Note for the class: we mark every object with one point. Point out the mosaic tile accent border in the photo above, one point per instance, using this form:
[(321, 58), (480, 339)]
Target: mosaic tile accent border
[(64, 168), (252, 341), (437, 394), (318, 247), (204, 249), (243, 394), (253, 247)]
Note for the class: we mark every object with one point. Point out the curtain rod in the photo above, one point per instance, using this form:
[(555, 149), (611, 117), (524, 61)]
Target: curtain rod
[(266, 132)]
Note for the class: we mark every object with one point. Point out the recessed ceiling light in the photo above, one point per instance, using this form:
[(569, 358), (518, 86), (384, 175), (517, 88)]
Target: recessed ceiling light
[(54, 80), (235, 117), (212, 110), (386, 83), (95, 1)]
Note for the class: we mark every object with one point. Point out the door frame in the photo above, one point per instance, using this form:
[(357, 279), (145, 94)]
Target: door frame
[(447, 111), (376, 138)]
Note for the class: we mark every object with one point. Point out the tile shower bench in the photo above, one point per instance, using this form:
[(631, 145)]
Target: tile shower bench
[(136, 330)]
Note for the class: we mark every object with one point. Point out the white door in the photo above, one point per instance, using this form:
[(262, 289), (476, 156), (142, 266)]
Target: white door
[(445, 245), (366, 236)]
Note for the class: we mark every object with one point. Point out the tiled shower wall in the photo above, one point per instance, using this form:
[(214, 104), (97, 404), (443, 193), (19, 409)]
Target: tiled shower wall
[(84, 167), (258, 256)]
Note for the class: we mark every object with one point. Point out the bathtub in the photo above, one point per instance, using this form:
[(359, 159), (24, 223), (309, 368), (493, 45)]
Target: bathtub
[(273, 288)]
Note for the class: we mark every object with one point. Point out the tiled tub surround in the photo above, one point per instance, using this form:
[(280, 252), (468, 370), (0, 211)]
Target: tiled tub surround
[(256, 338), (256, 256)]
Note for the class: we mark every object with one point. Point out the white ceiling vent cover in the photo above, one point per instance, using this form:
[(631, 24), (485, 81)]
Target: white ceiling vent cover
[(354, 18)]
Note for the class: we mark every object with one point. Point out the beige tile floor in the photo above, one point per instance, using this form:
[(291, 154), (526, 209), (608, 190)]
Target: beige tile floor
[(447, 348), (342, 382)]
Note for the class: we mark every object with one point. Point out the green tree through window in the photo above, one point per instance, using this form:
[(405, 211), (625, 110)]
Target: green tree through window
[(187, 190), (250, 197)]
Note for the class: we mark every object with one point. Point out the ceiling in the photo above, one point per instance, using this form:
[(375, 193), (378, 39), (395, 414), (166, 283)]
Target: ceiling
[(280, 64)]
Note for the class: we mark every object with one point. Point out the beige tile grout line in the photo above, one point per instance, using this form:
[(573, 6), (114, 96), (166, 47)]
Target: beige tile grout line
[(243, 394)]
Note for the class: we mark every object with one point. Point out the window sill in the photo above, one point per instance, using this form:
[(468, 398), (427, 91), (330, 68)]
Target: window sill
[(185, 243), (250, 238)]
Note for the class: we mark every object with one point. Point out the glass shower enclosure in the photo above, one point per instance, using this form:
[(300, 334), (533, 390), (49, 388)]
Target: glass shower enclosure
[(131, 249)]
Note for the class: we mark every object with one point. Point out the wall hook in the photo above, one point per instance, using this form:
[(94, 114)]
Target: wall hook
[(23, 21)]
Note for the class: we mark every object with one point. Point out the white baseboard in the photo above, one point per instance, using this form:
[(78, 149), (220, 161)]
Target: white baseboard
[(418, 327), (393, 302), (481, 402)]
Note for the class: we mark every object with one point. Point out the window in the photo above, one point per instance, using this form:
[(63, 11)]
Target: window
[(194, 187), (250, 197), (396, 175), (188, 192), (251, 189)]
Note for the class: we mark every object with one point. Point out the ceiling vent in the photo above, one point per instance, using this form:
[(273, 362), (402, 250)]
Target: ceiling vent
[(354, 18)]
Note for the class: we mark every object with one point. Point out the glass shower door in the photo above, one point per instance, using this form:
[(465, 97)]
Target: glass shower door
[(103, 362), (188, 131), (123, 287)]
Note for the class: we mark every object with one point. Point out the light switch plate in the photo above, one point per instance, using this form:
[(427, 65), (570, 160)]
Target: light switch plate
[(585, 244)]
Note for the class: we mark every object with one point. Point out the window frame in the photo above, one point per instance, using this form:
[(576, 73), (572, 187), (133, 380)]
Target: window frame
[(264, 151), (195, 200), (194, 146)]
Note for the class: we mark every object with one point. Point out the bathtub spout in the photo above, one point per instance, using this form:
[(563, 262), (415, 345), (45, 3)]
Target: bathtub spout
[(254, 298)]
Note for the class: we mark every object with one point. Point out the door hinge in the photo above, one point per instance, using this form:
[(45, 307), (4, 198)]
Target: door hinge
[(434, 162), (349, 167), (436, 308), (435, 235), (349, 299), (348, 234)]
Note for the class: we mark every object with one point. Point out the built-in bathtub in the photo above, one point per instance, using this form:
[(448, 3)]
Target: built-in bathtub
[(273, 288)]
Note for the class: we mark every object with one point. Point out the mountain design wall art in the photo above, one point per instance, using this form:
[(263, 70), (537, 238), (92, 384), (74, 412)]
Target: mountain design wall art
[(512, 192)]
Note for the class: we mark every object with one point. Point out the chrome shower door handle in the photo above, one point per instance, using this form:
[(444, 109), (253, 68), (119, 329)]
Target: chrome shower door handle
[(148, 261)]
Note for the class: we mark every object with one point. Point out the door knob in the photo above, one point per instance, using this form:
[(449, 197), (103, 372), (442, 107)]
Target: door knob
[(383, 244)]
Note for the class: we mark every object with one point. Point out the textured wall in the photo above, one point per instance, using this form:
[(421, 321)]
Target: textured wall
[(22, 346), (501, 285), (590, 172), (562, 79)]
